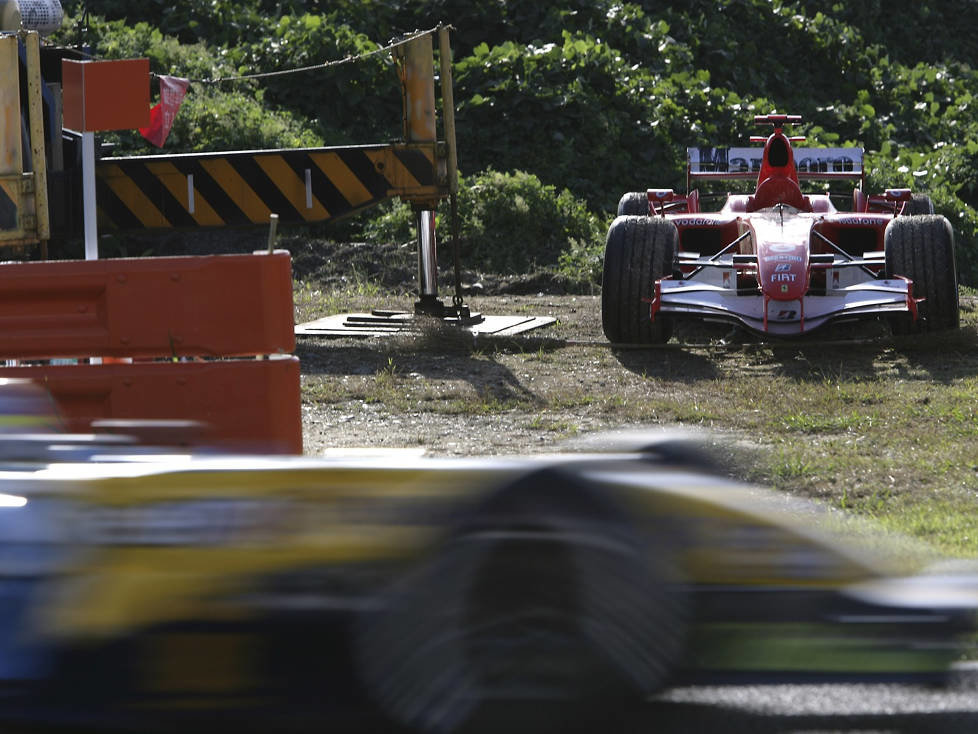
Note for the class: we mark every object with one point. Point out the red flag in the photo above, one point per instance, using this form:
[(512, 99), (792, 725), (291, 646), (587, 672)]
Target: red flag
[(172, 91)]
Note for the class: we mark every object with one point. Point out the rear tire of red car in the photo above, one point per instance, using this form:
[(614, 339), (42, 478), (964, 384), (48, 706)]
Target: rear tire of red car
[(543, 608), (921, 248), (638, 252), (634, 203)]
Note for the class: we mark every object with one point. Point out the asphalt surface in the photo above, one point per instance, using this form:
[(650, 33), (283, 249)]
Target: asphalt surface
[(813, 708)]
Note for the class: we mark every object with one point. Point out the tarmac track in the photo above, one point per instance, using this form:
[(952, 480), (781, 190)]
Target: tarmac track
[(813, 708)]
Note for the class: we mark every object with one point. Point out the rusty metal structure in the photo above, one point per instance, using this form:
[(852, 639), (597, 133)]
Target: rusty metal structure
[(23, 182)]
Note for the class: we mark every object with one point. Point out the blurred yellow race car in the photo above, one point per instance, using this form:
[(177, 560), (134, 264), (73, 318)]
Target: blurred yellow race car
[(156, 589)]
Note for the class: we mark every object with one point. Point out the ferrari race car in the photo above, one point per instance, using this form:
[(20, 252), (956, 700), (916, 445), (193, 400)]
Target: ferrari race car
[(160, 590), (778, 262)]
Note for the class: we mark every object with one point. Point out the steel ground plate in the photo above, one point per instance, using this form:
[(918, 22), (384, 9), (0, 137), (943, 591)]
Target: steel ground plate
[(385, 323)]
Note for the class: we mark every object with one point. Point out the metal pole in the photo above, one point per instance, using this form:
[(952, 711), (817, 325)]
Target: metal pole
[(11, 159), (427, 256), (448, 106), (420, 127), (419, 91), (272, 232), (88, 195), (36, 117)]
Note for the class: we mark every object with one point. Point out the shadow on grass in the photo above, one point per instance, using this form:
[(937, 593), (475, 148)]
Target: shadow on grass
[(431, 356), (942, 357), (670, 362)]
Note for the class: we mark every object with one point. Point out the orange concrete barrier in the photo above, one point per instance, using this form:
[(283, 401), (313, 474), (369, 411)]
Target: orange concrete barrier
[(244, 405), (177, 339), (213, 306)]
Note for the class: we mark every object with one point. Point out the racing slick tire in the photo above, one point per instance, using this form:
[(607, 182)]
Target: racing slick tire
[(634, 203), (543, 607), (918, 204), (638, 252), (921, 248)]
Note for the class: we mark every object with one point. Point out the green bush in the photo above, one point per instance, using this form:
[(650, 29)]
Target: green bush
[(508, 223), (331, 100)]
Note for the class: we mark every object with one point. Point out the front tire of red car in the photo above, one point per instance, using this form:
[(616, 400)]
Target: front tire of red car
[(638, 252), (921, 248)]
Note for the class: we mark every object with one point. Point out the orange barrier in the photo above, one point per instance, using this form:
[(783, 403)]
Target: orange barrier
[(213, 306), (246, 405), (172, 332)]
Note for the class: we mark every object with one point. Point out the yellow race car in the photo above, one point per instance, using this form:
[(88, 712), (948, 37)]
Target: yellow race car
[(156, 589)]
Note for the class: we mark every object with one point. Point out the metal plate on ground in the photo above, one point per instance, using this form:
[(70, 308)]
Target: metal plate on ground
[(386, 323)]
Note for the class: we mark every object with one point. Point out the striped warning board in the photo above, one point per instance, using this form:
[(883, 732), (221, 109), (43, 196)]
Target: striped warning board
[(241, 188), (8, 204), (18, 221)]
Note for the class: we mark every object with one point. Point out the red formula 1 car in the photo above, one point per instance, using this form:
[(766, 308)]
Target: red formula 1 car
[(778, 262)]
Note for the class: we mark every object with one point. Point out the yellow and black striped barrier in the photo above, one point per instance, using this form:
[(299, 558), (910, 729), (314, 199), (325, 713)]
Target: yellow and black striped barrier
[(9, 202), (241, 188)]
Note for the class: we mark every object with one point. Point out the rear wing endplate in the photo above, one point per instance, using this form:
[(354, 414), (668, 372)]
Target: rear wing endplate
[(825, 164)]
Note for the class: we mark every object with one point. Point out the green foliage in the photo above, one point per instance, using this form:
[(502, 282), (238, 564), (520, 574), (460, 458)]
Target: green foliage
[(575, 104), (218, 22), (237, 121), (515, 223), (595, 96), (509, 223), (910, 31), (334, 101)]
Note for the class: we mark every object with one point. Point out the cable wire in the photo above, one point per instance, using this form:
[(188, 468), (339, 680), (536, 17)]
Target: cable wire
[(324, 65)]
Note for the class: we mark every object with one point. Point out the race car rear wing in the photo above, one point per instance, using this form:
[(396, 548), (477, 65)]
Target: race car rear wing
[(825, 164)]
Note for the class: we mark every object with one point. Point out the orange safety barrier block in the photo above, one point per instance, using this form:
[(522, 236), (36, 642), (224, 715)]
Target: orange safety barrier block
[(204, 340), (208, 306), (242, 404)]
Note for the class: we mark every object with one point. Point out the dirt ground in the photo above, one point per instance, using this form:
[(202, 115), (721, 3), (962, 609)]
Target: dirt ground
[(455, 393)]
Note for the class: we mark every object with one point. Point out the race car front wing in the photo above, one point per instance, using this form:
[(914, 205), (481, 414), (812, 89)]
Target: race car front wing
[(766, 315)]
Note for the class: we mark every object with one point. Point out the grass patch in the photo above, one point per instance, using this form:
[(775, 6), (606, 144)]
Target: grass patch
[(564, 428), (312, 300), (946, 522)]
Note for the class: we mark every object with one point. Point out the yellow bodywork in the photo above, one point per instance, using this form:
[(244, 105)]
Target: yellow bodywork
[(175, 538)]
